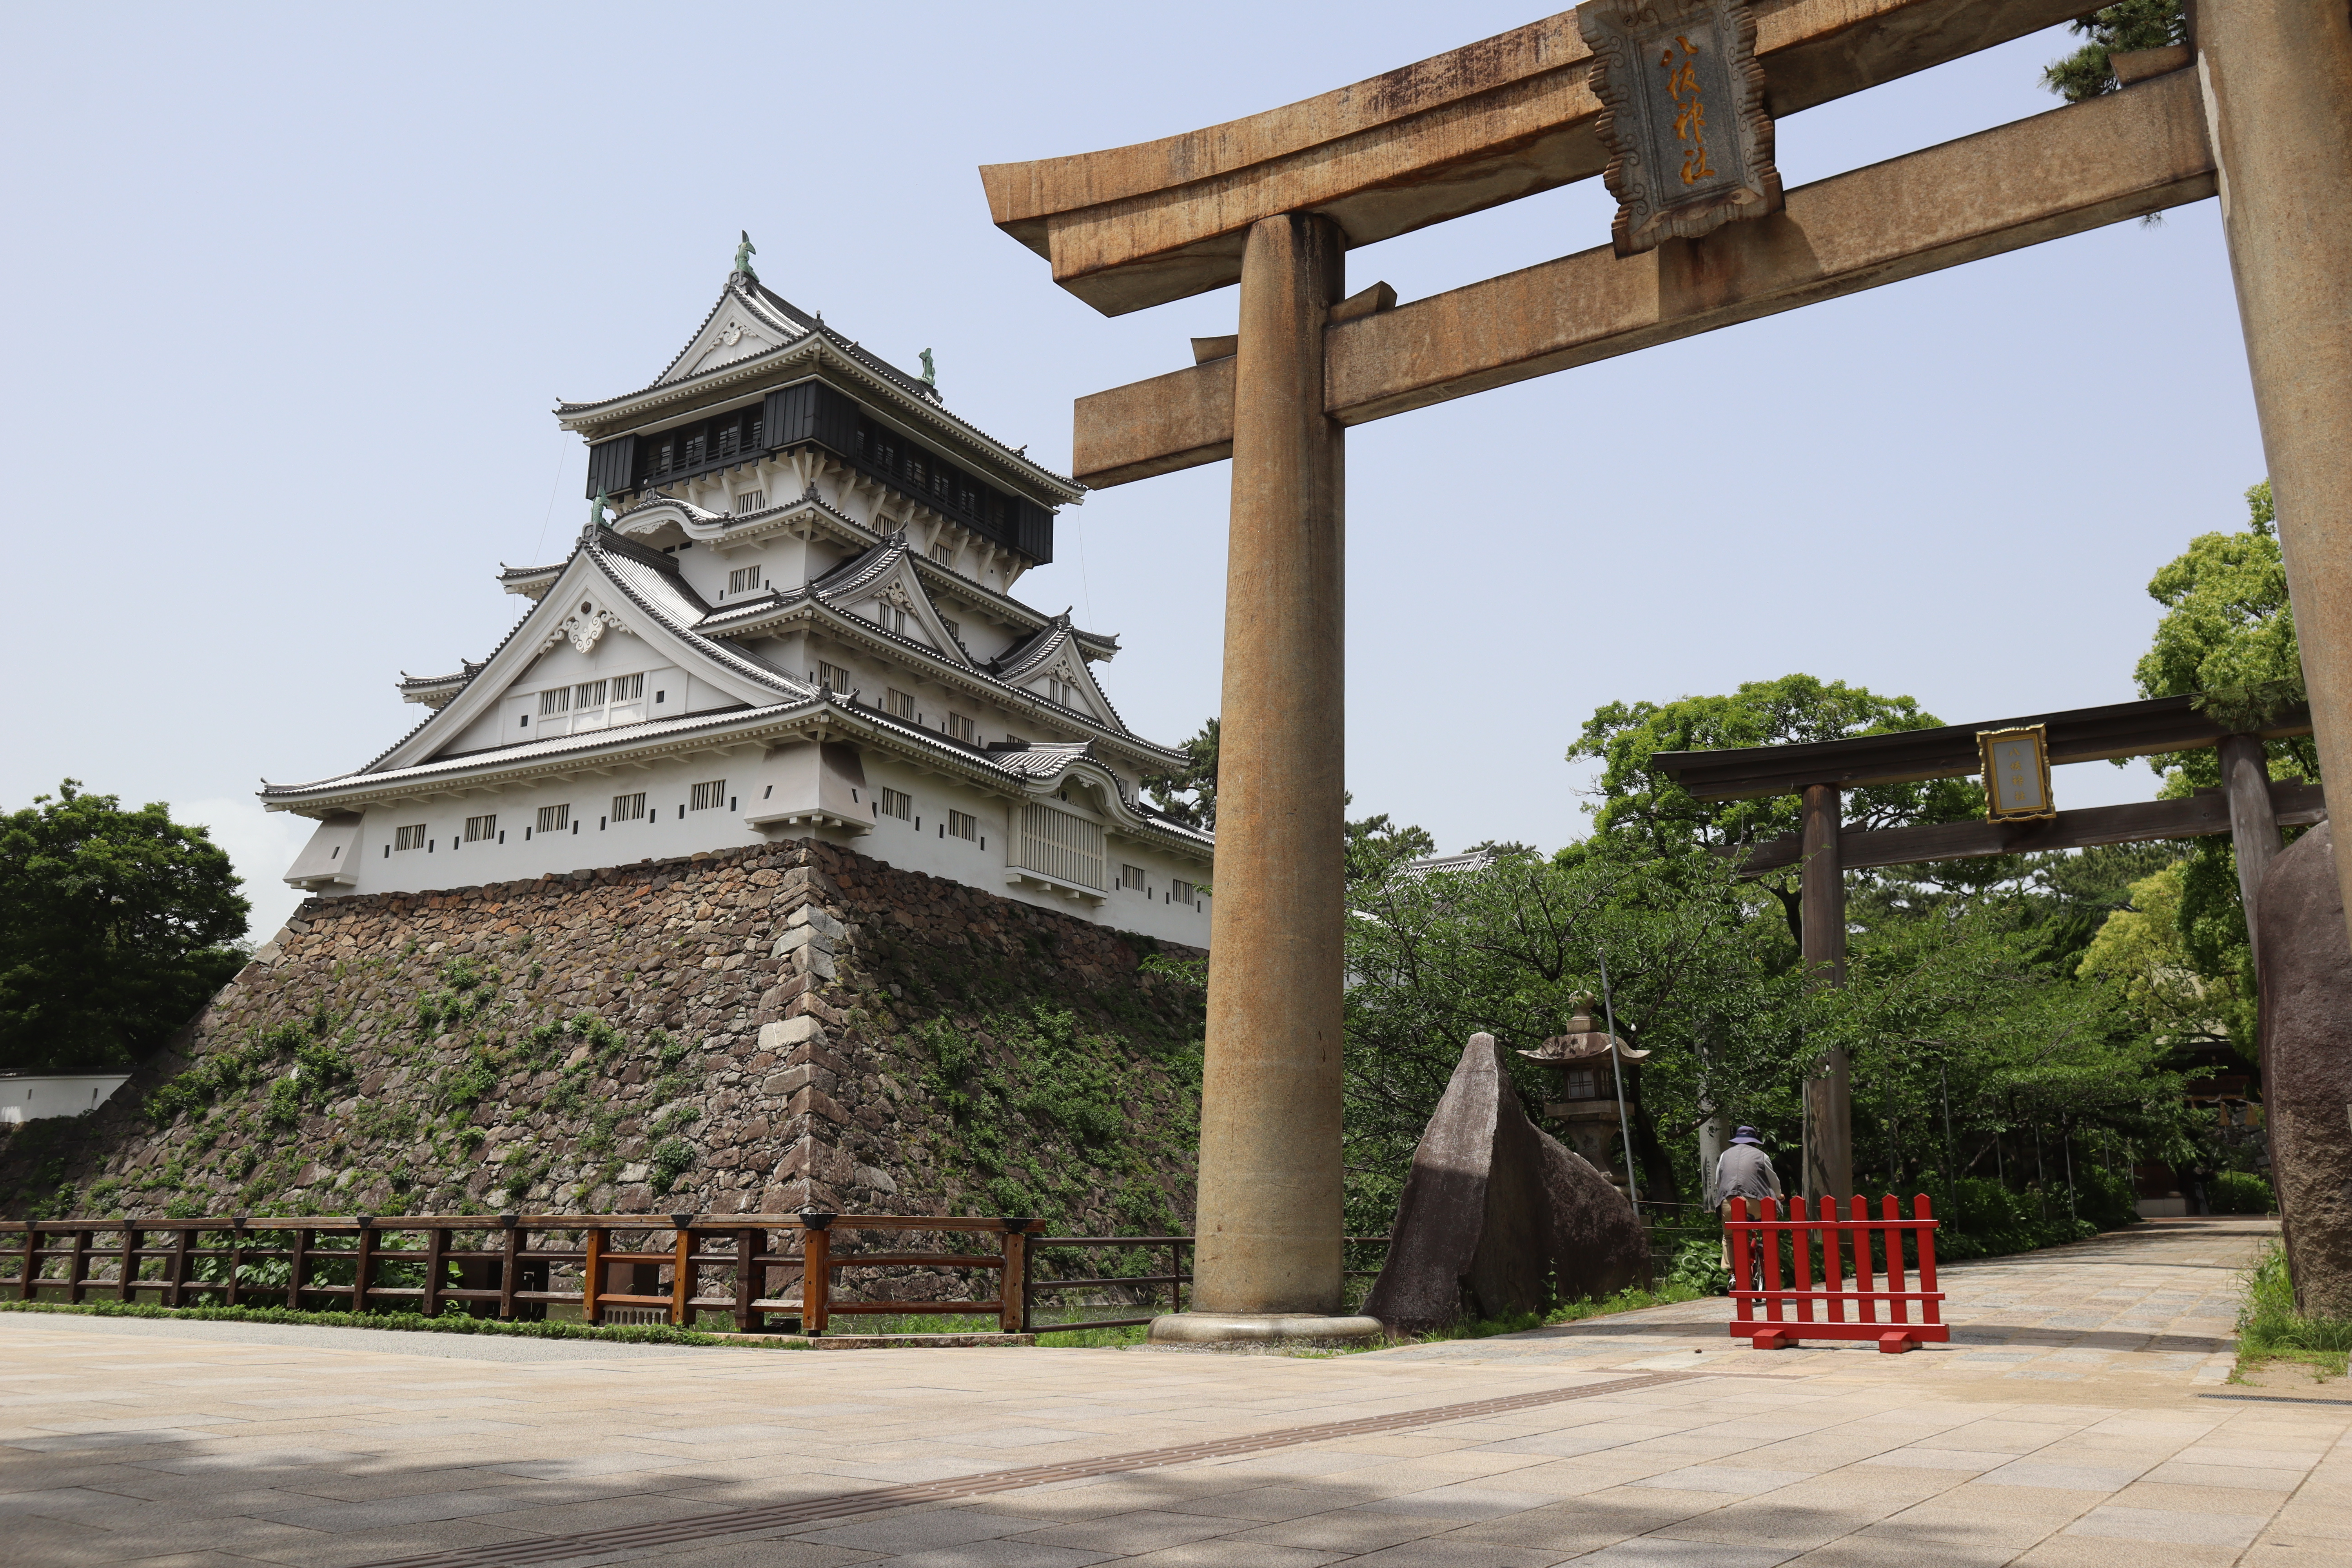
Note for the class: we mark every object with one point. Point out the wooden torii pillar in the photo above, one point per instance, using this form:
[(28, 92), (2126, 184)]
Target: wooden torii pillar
[(1271, 201)]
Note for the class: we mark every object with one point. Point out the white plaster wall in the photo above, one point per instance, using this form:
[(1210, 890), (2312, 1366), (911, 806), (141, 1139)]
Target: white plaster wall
[(670, 830), (71, 1094)]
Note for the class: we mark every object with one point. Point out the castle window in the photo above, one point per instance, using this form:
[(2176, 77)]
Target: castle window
[(628, 689), (888, 616), (554, 818), (1061, 845), (478, 828), (408, 838), (961, 728), (751, 501), (553, 701), (588, 694), (832, 676), (895, 803), (708, 795), (943, 555), (1131, 877), (629, 807), (744, 579), (960, 825), (902, 703), (1184, 892)]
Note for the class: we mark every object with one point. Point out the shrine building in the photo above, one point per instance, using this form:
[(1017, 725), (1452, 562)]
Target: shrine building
[(790, 614)]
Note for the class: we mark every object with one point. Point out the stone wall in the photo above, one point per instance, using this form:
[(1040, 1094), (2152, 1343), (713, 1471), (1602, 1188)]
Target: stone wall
[(768, 1029)]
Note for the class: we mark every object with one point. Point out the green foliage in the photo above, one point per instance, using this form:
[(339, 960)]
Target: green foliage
[(1698, 1268), (671, 1158), (115, 927), (1189, 794), (319, 1067), (2114, 30), (2270, 1328), (2239, 1191)]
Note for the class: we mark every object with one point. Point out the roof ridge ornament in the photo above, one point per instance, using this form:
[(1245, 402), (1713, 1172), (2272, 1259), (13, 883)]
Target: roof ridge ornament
[(743, 253)]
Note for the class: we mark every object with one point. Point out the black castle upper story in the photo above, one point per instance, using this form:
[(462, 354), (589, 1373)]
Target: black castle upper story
[(812, 413)]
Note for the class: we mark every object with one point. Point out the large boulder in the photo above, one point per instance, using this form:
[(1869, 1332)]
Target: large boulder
[(2306, 989), (1497, 1217)]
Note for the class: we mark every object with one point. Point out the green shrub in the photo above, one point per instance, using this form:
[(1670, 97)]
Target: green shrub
[(2239, 1191), (1698, 1267), (2270, 1329)]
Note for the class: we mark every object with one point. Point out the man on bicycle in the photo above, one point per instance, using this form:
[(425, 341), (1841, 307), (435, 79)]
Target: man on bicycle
[(1745, 1172)]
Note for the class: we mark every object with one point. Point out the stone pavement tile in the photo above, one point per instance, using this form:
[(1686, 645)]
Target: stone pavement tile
[(1001, 1554), (1231, 1554), (1784, 1519), (2247, 1457), (60, 1502), (1939, 1523), (2065, 1478), (1999, 1437), (1735, 1479), (1130, 1535), (1348, 1530), (2150, 1493), (1958, 1460), (2092, 1552), (1296, 1463), (918, 1531), (186, 1560), (1878, 1552), (574, 1467), (328, 1551), (747, 1551), (1445, 1552), (243, 1535), (1654, 1551), (2172, 1527), (411, 1508), (1267, 1504), (1565, 1444), (386, 1483), (1463, 1504), (1586, 1527), (575, 1518)]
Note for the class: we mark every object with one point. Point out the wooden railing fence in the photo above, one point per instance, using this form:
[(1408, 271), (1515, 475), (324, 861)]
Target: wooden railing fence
[(1176, 1279), (505, 1264)]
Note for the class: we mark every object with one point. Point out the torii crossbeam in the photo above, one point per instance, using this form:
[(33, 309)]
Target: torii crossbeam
[(2258, 110)]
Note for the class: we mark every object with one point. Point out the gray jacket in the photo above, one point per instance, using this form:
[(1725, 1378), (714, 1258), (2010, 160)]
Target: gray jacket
[(1744, 1171)]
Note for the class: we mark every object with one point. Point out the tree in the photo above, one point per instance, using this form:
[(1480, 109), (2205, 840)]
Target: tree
[(2227, 639), (1189, 794), (2113, 31), (115, 928)]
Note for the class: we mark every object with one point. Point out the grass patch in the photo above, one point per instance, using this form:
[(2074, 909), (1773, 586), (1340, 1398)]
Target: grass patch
[(409, 1323), (2271, 1329)]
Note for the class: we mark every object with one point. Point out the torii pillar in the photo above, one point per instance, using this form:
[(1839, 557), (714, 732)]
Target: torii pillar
[(2277, 80), (1266, 1261)]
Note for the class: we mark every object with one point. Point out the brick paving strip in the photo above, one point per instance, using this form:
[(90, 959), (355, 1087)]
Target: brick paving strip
[(845, 1505)]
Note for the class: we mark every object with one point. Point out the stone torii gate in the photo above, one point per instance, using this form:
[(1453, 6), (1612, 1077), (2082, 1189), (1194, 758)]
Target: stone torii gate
[(2258, 110)]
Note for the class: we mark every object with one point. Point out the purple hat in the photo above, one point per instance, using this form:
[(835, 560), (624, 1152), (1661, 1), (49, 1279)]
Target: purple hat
[(1747, 1135)]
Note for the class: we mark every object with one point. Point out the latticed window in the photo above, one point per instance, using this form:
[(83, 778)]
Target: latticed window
[(895, 803), (628, 688), (629, 807), (1131, 877), (588, 694), (751, 501), (1183, 892), (832, 676), (408, 838), (557, 700), (744, 579), (478, 828), (709, 797), (1065, 848), (960, 727), (902, 703), (554, 818), (961, 825)]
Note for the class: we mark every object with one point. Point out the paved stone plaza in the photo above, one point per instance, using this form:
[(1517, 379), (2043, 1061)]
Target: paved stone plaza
[(2082, 1416)]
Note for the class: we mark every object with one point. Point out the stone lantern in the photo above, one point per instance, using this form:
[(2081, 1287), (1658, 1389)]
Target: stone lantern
[(1588, 1111)]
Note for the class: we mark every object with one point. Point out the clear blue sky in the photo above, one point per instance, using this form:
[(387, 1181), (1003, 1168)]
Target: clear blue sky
[(292, 289)]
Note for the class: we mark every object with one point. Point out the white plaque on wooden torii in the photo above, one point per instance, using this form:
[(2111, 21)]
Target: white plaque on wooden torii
[(1690, 147)]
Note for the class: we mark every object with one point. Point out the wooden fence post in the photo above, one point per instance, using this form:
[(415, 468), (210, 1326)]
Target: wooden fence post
[(748, 1277), (1028, 1277), (509, 1265), (1012, 1294), (816, 1273), (591, 1284), (176, 1267), (364, 1257), (127, 1274), (78, 1267), (236, 1260), (30, 1270), (436, 1260), (681, 1280), (298, 1249)]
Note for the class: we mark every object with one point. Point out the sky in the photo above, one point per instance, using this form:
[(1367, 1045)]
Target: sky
[(294, 289)]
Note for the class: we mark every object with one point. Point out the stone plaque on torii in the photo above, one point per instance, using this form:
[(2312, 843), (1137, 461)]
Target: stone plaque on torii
[(2259, 109)]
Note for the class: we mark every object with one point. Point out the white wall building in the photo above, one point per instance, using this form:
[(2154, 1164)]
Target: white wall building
[(794, 617), (29, 1098)]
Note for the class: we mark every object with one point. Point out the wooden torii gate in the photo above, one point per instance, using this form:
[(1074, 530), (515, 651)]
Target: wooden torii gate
[(2258, 110), (2248, 807)]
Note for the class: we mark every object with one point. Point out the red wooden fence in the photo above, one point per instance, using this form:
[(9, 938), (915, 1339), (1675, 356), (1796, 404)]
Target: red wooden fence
[(1756, 1248)]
